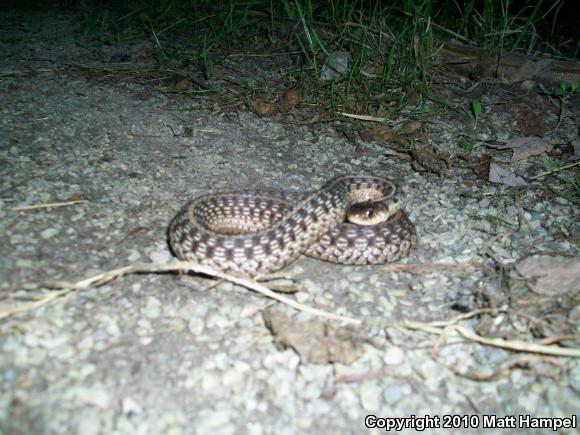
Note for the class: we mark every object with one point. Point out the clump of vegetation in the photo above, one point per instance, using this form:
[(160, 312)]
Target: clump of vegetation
[(391, 46)]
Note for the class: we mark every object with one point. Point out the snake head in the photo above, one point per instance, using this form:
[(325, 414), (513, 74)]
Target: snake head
[(372, 213)]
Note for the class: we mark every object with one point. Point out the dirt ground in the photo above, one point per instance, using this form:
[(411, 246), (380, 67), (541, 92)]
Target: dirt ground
[(479, 324)]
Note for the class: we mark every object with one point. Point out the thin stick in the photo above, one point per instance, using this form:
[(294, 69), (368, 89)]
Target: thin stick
[(362, 117), (443, 329), (514, 345), (105, 277), (448, 328), (49, 205), (552, 171), (428, 267)]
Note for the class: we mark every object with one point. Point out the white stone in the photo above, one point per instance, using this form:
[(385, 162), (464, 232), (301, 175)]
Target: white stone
[(210, 381), (370, 396), (196, 326), (394, 356)]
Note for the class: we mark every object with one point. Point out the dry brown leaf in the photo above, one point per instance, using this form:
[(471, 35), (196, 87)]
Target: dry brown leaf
[(263, 108), (290, 99), (219, 73), (528, 122), (529, 69), (547, 275), (478, 164), (528, 146), (382, 133), (347, 131), (416, 50), (315, 341), (523, 147), (183, 84), (410, 127), (431, 160), (502, 175), (366, 135), (481, 165)]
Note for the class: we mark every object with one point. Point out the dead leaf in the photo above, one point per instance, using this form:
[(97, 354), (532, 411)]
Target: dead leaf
[(382, 133), (183, 84), (416, 50), (480, 165), (366, 135), (335, 66), (560, 236), (219, 73), (411, 132), (263, 108), (431, 160), (529, 146), (290, 99), (529, 70), (347, 131), (528, 122), (547, 275), (410, 127), (315, 341), (499, 174), (523, 147), (411, 96)]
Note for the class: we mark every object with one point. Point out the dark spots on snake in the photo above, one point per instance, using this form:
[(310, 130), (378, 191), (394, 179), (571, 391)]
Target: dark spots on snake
[(229, 254), (267, 249), (281, 243), (249, 252), (256, 240), (238, 243), (194, 246), (332, 240), (263, 215), (183, 237), (209, 251), (302, 222)]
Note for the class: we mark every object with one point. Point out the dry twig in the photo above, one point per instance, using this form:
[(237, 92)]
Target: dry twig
[(105, 277), (49, 205), (427, 267), (442, 328)]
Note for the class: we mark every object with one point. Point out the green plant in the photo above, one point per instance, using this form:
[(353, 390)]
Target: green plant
[(570, 182), (90, 27), (310, 51), (96, 25), (476, 108), (466, 146), (203, 54), (563, 92), (391, 45)]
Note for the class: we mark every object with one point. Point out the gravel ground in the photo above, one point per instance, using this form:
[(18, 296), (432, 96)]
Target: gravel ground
[(159, 353)]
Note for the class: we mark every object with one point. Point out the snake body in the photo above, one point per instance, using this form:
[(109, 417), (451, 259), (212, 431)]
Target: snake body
[(248, 233)]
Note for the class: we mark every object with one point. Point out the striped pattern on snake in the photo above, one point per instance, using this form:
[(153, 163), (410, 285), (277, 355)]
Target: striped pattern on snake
[(248, 233)]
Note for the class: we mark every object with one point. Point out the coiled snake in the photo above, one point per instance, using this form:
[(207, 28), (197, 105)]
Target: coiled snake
[(248, 233)]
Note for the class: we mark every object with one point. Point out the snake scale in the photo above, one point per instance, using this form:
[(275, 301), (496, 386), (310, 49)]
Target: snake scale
[(247, 233)]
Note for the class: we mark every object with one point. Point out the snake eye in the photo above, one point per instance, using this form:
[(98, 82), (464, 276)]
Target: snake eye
[(370, 213)]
